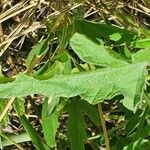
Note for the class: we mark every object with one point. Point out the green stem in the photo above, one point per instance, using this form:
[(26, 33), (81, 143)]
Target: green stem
[(103, 126)]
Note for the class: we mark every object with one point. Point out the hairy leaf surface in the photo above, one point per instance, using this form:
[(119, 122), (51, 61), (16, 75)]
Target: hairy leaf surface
[(92, 52), (93, 86)]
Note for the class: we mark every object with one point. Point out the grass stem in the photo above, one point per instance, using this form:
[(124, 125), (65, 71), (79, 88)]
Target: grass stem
[(104, 126)]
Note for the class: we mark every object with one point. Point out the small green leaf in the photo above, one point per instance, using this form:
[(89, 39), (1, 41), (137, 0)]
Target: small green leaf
[(115, 36), (76, 126), (49, 70), (37, 51), (61, 56), (127, 52)]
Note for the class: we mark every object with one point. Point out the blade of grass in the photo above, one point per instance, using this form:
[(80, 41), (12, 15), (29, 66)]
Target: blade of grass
[(33, 135), (103, 126)]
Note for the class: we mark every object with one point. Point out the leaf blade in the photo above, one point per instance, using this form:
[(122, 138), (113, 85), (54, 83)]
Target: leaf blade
[(93, 86)]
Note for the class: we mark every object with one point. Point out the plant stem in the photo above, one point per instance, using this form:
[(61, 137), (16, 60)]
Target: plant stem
[(103, 126)]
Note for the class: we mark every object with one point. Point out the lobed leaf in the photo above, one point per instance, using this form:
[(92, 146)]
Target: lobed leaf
[(93, 86)]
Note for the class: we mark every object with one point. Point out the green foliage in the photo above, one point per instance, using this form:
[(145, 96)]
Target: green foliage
[(3, 103), (142, 55), (19, 106), (76, 126), (143, 43), (97, 31), (140, 144), (33, 135), (93, 52), (93, 86), (101, 65), (50, 121), (90, 111), (38, 51)]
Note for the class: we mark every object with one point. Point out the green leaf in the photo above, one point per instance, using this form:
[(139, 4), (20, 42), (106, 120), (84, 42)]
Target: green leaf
[(92, 52), (61, 56), (97, 31), (3, 103), (19, 106), (50, 125), (49, 105), (50, 120), (144, 43), (122, 142), (140, 56), (91, 112), (93, 86), (115, 37), (76, 126), (49, 70), (132, 124), (5, 79), (37, 51), (127, 52), (141, 144), (22, 137), (33, 135)]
